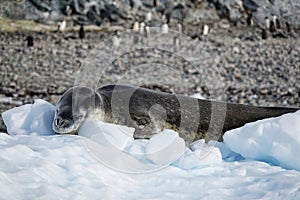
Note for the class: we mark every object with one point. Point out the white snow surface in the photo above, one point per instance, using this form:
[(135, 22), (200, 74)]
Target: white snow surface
[(257, 161), (273, 140)]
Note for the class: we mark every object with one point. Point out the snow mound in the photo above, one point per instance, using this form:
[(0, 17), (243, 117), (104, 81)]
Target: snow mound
[(114, 146), (165, 147), (106, 133), (30, 119), (111, 144), (273, 140), (201, 154)]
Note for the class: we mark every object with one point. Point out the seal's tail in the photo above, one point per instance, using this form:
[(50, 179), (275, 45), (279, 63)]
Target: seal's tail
[(238, 115)]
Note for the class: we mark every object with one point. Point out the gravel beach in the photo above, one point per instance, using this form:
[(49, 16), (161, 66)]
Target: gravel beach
[(238, 66)]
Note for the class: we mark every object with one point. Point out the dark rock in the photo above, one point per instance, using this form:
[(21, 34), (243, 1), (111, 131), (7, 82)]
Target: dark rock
[(21, 93), (177, 14), (93, 17), (8, 91), (250, 5), (41, 5), (160, 9), (149, 3)]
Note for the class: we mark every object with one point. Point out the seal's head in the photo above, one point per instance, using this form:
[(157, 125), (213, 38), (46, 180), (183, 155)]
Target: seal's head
[(73, 107)]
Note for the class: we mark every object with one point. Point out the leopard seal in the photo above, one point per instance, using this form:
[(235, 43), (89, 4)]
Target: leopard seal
[(148, 110)]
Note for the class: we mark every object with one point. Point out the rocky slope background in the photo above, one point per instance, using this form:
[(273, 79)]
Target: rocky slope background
[(251, 47), (125, 12)]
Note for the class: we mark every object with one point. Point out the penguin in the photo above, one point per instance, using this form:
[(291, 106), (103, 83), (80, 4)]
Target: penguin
[(264, 34), (81, 32), (29, 40), (61, 26)]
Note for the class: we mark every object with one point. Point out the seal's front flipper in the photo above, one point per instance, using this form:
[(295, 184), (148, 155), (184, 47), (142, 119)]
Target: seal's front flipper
[(144, 132)]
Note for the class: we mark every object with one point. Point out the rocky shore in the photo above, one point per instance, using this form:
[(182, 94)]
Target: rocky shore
[(230, 63)]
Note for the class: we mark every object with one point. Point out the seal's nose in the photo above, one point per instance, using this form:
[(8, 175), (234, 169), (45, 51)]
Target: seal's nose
[(59, 122)]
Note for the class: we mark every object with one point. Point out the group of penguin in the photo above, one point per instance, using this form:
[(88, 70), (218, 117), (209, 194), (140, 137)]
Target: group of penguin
[(60, 28)]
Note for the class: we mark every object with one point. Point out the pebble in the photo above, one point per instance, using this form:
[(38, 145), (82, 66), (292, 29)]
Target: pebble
[(236, 50), (264, 91)]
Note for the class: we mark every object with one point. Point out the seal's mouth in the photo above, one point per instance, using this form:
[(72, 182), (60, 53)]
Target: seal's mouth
[(72, 132), (71, 129)]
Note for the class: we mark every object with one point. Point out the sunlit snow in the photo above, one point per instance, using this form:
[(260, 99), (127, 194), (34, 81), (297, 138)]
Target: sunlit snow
[(257, 161)]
